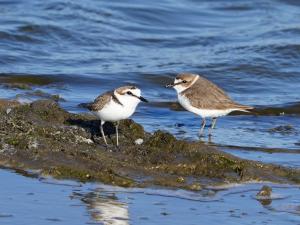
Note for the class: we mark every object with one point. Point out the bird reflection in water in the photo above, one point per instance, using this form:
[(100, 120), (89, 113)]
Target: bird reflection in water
[(106, 209)]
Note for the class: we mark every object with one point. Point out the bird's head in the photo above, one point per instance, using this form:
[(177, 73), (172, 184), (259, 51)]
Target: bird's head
[(183, 81), (129, 94)]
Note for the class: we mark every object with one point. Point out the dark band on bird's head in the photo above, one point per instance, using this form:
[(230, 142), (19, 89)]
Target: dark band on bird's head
[(124, 89)]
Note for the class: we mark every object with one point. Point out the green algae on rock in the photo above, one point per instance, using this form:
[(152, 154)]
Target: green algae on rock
[(43, 136), (41, 94), (26, 80)]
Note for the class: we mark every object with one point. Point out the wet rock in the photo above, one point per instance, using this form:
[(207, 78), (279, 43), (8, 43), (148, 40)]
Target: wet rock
[(161, 139), (265, 191), (297, 143), (195, 187), (46, 110), (179, 124), (279, 110), (4, 215), (171, 105), (39, 94), (80, 139), (43, 136), (264, 195), (8, 104), (180, 180), (132, 130), (283, 129), (33, 144), (26, 80), (18, 86)]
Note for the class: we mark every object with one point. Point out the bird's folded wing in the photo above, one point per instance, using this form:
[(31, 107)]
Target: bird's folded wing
[(204, 94), (100, 101)]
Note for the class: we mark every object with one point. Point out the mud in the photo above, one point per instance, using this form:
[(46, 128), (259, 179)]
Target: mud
[(42, 136)]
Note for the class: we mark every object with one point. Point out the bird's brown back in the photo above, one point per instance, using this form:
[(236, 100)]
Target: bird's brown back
[(101, 101), (206, 95)]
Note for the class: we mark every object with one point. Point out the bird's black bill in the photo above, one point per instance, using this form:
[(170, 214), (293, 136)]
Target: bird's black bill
[(169, 85), (140, 98), (143, 99)]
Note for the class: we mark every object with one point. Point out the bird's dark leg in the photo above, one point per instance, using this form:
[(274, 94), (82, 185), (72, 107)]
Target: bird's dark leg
[(214, 120), (117, 132), (102, 132), (203, 123), (213, 124)]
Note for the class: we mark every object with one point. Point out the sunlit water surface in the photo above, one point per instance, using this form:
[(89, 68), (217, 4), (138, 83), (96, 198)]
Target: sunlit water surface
[(25, 200)]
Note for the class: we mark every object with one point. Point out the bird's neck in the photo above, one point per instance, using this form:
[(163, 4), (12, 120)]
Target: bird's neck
[(179, 88)]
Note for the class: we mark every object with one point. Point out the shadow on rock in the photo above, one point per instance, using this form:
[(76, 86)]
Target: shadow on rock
[(93, 126)]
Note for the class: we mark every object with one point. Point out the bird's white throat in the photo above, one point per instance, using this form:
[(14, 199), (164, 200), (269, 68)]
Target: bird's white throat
[(179, 88), (129, 101)]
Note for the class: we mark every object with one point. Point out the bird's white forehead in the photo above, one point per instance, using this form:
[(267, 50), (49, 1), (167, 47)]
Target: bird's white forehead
[(136, 91), (177, 80)]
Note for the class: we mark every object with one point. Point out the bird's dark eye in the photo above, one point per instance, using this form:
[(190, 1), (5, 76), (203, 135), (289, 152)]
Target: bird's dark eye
[(184, 81), (129, 92)]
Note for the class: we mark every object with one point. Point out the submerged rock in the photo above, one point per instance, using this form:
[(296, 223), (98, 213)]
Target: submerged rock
[(265, 191), (283, 129), (17, 86), (24, 79), (264, 195), (43, 136), (41, 94)]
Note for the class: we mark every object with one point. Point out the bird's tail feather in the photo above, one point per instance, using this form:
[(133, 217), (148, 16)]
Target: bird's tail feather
[(244, 108)]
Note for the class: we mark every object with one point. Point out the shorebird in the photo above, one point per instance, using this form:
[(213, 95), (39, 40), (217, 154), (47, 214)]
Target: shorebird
[(202, 97), (116, 105)]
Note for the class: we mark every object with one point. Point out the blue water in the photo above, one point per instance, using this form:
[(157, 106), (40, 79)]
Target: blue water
[(25, 201), (249, 48)]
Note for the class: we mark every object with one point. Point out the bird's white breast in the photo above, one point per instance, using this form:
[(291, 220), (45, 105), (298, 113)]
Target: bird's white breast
[(185, 103), (114, 111)]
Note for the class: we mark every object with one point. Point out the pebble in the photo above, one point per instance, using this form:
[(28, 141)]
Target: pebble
[(139, 141)]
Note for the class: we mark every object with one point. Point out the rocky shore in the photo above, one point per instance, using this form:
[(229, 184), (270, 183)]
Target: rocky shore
[(43, 137)]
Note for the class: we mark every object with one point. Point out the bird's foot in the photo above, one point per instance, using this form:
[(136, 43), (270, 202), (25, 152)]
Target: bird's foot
[(116, 148), (101, 142)]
